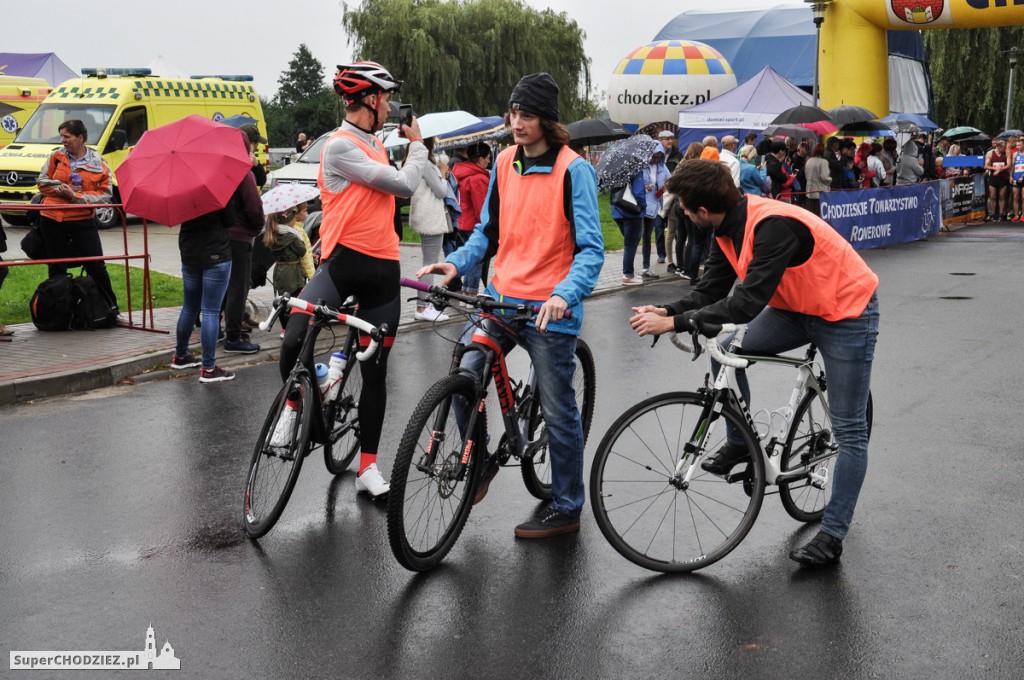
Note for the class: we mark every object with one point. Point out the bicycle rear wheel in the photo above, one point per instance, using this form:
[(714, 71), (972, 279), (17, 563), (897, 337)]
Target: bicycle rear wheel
[(536, 468), (278, 455), (431, 491), (811, 440), (342, 415), (645, 510)]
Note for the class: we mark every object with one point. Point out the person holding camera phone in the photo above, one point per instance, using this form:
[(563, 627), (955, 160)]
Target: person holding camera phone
[(358, 242)]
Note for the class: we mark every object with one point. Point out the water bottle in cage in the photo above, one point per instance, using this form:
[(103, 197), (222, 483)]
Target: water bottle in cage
[(336, 367), (321, 378)]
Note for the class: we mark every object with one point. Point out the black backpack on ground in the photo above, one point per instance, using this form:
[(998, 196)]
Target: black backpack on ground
[(93, 309), (53, 304)]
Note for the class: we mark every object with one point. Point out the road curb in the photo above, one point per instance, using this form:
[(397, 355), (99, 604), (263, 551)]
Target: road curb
[(153, 365)]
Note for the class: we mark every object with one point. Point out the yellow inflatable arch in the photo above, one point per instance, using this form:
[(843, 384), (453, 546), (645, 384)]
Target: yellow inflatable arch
[(854, 65)]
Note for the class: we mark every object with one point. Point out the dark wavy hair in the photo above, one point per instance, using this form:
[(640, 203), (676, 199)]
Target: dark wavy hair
[(75, 127), (555, 134), (704, 184)]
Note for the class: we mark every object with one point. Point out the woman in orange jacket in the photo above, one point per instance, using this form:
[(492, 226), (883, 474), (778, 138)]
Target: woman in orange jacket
[(74, 175)]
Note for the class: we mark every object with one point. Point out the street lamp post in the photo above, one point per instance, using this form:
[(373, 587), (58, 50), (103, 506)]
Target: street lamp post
[(818, 8), (1013, 51)]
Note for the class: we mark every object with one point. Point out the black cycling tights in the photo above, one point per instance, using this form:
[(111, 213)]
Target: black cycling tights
[(374, 283)]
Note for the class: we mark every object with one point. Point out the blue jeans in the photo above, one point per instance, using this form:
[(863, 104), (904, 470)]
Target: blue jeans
[(204, 289), (653, 227), (554, 360), (847, 348), (631, 228), (698, 249)]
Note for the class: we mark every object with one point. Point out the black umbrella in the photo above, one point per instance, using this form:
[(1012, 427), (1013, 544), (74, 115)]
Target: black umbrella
[(790, 130), (844, 115), (590, 131), (866, 129), (1009, 133), (6, 108), (802, 114), (623, 159)]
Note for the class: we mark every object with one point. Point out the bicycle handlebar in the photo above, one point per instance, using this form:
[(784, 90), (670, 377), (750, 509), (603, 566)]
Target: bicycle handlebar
[(481, 301), (375, 333), (722, 356)]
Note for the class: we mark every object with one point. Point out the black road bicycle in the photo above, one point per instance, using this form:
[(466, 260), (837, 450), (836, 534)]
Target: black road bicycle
[(301, 419)]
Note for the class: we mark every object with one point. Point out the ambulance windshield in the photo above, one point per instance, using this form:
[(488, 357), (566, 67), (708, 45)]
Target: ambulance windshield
[(41, 128)]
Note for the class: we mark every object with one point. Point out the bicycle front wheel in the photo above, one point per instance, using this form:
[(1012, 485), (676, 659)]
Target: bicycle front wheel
[(645, 509), (431, 489), (536, 468), (811, 443), (277, 459), (342, 418)]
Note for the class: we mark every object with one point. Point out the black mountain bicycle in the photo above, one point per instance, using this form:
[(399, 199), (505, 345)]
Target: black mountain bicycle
[(442, 451)]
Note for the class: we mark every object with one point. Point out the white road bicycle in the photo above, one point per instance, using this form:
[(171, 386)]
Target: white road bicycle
[(660, 510)]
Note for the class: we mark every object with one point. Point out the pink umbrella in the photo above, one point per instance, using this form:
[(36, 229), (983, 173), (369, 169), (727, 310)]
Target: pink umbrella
[(182, 170)]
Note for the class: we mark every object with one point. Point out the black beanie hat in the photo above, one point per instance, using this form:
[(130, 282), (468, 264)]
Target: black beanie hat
[(536, 93)]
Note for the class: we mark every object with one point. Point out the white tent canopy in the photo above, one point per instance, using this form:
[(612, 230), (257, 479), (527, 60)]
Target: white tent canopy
[(750, 106), (162, 67)]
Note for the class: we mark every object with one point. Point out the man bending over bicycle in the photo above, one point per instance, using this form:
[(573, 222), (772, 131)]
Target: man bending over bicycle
[(540, 221), (359, 245), (799, 282)]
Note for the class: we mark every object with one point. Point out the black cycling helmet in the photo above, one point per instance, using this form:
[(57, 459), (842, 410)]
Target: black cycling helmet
[(363, 78)]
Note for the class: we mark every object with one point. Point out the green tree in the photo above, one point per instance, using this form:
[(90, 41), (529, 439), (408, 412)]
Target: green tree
[(303, 80), (469, 54), (303, 103), (970, 74)]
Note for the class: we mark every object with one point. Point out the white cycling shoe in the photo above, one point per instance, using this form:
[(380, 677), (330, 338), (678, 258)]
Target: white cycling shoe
[(372, 482)]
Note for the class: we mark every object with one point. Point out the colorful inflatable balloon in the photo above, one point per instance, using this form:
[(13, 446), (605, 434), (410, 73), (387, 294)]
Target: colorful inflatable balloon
[(654, 82)]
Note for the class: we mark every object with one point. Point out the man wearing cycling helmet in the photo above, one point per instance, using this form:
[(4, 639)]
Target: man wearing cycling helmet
[(799, 282), (540, 222), (358, 243)]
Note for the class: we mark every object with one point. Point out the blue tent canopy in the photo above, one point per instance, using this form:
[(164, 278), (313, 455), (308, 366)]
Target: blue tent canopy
[(783, 37)]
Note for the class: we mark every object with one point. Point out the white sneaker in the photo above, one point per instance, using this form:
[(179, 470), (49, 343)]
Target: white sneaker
[(632, 280), (429, 313), (285, 425), (372, 482)]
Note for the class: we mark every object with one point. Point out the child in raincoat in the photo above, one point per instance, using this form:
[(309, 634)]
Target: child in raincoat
[(287, 240)]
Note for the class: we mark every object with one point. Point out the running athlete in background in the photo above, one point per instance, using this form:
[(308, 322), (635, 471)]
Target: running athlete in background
[(359, 246)]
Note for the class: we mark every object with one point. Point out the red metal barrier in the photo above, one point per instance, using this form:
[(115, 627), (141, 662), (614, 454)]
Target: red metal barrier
[(147, 291)]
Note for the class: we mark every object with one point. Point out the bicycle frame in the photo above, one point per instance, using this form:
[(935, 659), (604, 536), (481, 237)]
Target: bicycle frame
[(724, 391), (320, 317), (514, 401)]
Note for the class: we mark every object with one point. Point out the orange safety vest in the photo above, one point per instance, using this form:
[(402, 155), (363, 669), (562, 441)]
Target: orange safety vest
[(358, 217), (834, 283), (59, 168), (535, 244)]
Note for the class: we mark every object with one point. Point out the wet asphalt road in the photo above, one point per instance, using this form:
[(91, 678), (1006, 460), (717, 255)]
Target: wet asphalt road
[(120, 508)]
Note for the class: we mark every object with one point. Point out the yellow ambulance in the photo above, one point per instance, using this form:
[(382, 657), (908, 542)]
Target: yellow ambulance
[(19, 98), (117, 106)]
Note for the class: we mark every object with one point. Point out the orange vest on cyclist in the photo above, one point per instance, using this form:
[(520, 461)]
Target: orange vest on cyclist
[(536, 247), (834, 283), (358, 217)]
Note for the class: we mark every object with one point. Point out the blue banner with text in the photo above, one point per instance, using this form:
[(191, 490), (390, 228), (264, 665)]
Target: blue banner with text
[(880, 217)]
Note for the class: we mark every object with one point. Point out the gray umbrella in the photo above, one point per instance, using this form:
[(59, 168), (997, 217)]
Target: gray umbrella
[(623, 159), (6, 108)]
